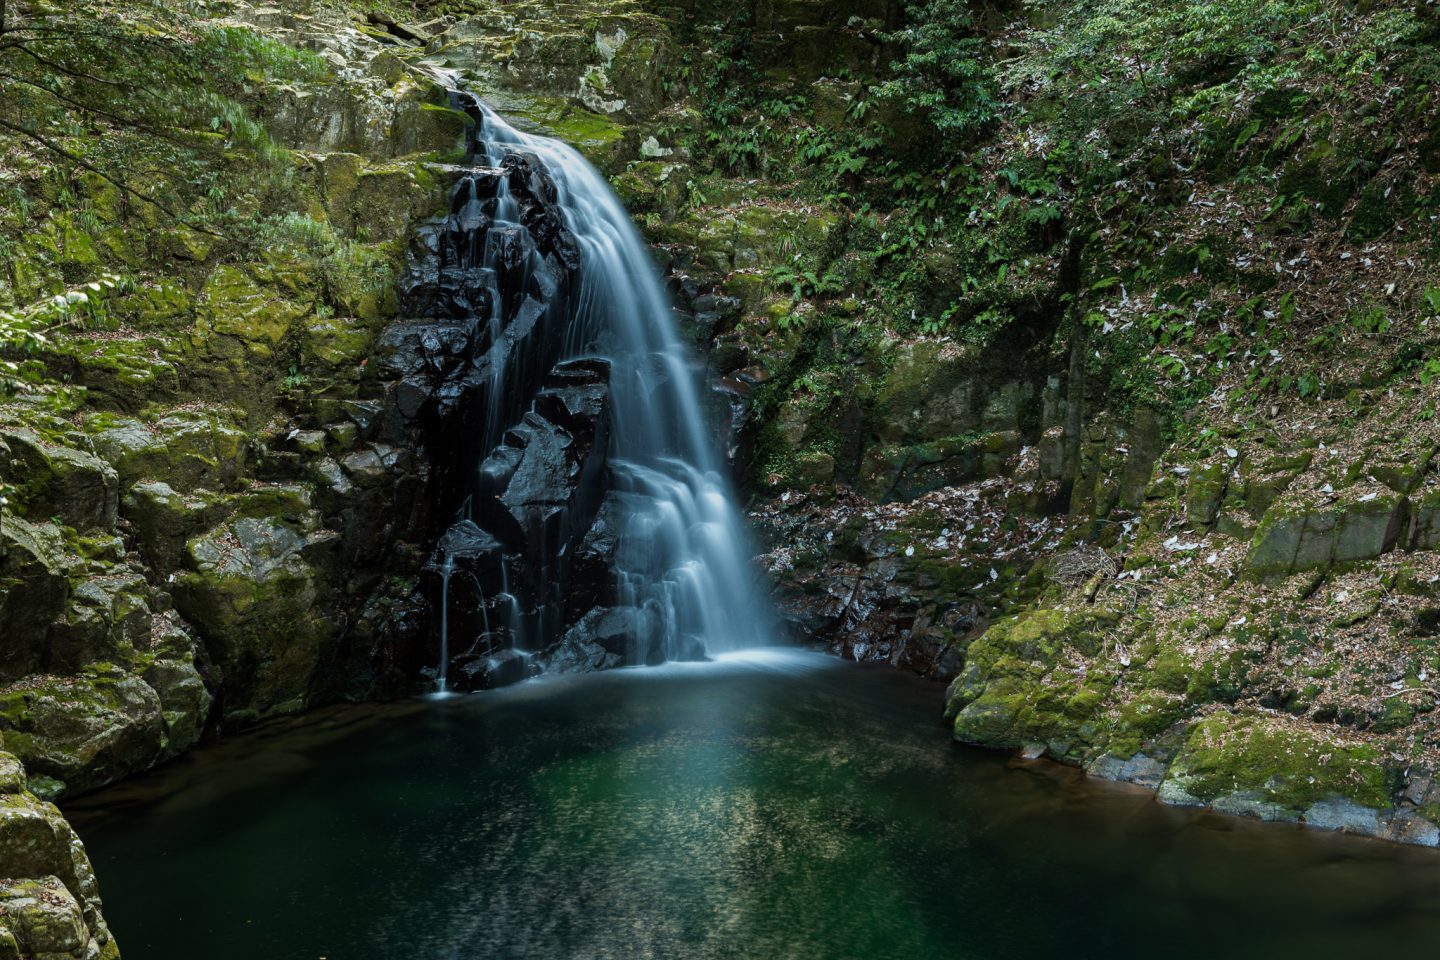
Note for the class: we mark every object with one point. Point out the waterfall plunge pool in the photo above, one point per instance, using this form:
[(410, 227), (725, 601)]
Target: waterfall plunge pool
[(773, 804)]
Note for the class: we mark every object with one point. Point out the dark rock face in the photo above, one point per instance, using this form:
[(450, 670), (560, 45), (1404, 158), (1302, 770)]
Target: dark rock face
[(483, 379)]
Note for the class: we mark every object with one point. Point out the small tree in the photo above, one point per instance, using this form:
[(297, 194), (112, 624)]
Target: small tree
[(944, 74)]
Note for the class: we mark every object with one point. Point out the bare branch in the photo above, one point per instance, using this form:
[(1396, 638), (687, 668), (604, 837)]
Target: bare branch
[(20, 46), (81, 162), (143, 126)]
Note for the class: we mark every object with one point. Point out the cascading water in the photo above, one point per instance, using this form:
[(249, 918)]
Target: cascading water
[(447, 569), (608, 460)]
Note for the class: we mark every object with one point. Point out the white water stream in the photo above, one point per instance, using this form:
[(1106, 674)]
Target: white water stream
[(682, 552)]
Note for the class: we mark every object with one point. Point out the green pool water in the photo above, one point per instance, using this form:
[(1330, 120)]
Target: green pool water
[(774, 805)]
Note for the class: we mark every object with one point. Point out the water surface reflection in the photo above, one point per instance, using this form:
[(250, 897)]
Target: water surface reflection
[(777, 804)]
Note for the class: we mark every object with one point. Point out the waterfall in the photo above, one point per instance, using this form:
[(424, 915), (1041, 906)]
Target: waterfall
[(573, 343), (446, 570)]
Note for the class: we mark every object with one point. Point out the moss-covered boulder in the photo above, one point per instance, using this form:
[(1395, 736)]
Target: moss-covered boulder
[(184, 702), (34, 589), (931, 390), (905, 472), (120, 370), (1293, 536), (1117, 461), (253, 591), (49, 901), (79, 732), (164, 520), (1424, 531), (187, 449), (394, 112), (237, 306), (376, 202), (107, 617), (1023, 682), (1277, 768), (42, 919), (59, 481)]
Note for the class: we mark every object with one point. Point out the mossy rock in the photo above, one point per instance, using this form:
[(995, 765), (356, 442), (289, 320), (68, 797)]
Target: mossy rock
[(428, 128), (1293, 538), (652, 187), (184, 702), (1015, 688), (235, 305), (595, 135), (756, 233), (165, 307), (50, 902), (83, 731), (377, 202), (1204, 493), (121, 372), (1117, 463), (42, 919), (931, 389), (1425, 528), (1142, 718), (54, 480), (35, 571), (253, 594), (1278, 767), (906, 472), (337, 342), (164, 520), (107, 617), (12, 774), (187, 449)]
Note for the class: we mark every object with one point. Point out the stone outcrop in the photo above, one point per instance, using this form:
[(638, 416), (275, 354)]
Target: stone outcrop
[(172, 566), (49, 900)]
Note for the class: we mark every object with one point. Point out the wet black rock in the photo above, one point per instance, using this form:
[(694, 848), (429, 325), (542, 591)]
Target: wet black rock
[(499, 669)]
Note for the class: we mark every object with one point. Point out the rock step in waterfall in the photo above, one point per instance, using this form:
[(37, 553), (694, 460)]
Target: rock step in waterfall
[(591, 524)]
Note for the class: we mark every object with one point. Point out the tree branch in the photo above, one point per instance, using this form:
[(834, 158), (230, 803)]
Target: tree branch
[(130, 122), (80, 74), (119, 184)]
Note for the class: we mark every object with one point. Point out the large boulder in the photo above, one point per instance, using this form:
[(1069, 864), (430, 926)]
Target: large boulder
[(252, 591), (1293, 536), (108, 617), (79, 732), (49, 901), (163, 520), (54, 480), (611, 636), (1278, 768), (34, 590), (187, 449), (1019, 685), (540, 490)]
